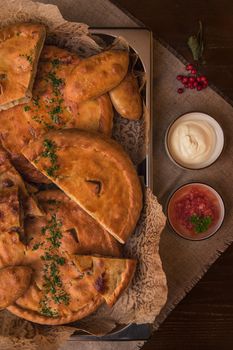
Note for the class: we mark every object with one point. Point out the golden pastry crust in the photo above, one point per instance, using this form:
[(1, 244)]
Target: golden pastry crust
[(83, 234), (126, 98), (10, 177), (48, 109), (71, 316), (12, 250), (20, 48), (96, 75), (14, 281), (110, 277), (10, 211), (95, 172), (93, 115), (28, 171)]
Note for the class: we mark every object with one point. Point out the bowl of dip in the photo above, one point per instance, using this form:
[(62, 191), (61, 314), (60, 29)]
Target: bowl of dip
[(194, 141), (195, 211)]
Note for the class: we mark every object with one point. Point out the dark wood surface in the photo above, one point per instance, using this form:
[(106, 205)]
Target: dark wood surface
[(204, 319)]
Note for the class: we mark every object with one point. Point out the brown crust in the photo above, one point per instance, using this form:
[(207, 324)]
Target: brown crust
[(20, 124), (96, 75), (125, 282), (75, 316), (14, 282), (126, 98), (91, 237), (28, 171), (93, 149), (106, 117), (21, 45)]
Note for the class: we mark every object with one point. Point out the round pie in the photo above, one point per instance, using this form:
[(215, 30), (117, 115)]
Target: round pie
[(95, 172), (66, 286)]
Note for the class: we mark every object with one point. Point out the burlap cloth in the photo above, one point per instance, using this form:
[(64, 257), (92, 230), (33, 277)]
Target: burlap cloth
[(184, 262)]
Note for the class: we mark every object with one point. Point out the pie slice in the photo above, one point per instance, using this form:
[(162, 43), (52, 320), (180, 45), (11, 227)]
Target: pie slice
[(14, 281), (95, 172), (96, 75), (108, 276), (11, 215), (82, 234), (20, 48), (9, 177)]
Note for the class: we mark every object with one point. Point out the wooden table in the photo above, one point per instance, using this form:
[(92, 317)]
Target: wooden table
[(204, 319)]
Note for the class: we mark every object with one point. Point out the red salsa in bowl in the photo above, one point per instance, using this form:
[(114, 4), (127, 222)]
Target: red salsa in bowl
[(195, 211)]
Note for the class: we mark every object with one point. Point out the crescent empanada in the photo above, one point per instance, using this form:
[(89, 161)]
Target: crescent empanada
[(95, 172), (20, 48), (126, 98), (96, 75)]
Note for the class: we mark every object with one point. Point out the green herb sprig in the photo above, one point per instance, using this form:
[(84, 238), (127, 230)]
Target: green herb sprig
[(200, 223)]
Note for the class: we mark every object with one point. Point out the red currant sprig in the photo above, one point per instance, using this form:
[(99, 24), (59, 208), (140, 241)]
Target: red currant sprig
[(192, 80)]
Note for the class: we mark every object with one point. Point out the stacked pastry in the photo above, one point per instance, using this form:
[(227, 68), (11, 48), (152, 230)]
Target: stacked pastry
[(60, 248)]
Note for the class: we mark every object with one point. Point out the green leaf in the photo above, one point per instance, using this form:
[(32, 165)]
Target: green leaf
[(196, 44), (201, 223)]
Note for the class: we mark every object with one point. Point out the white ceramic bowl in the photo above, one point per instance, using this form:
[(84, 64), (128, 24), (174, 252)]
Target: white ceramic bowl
[(219, 136)]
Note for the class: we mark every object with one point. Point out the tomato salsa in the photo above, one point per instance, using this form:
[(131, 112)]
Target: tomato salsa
[(195, 211)]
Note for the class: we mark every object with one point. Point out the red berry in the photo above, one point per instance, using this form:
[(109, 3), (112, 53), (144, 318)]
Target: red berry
[(191, 79), (195, 83), (180, 91), (203, 78), (179, 77), (198, 79), (189, 67), (194, 71), (184, 80), (199, 87)]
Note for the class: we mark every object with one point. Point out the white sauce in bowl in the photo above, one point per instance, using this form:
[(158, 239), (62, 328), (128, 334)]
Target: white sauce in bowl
[(195, 140)]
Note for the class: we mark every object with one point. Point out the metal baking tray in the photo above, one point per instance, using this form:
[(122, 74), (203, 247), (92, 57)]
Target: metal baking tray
[(140, 41)]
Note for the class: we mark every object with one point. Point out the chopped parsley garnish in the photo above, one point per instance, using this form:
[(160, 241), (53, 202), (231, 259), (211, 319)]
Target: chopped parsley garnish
[(55, 62), (37, 246), (26, 108), (35, 101), (56, 82), (50, 153), (52, 287), (53, 228), (200, 223), (46, 310), (54, 114)]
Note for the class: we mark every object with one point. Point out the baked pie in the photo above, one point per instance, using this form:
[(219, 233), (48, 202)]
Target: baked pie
[(96, 75), (20, 48), (126, 98), (95, 172)]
